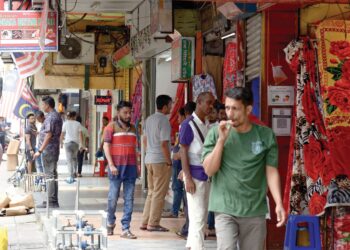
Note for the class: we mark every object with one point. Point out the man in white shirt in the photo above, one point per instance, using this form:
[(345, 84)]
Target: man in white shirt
[(72, 138)]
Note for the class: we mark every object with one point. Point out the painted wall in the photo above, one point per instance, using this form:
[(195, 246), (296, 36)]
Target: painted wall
[(281, 26), (163, 79)]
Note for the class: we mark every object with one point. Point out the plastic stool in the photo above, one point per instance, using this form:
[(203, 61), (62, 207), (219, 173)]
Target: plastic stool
[(101, 168), (290, 241)]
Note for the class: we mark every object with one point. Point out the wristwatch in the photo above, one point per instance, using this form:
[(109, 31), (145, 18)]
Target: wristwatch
[(40, 151)]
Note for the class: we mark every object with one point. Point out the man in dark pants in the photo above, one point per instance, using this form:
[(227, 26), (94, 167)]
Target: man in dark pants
[(49, 148)]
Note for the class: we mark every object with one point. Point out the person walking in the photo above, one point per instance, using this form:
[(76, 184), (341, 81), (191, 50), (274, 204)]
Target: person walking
[(120, 143), (72, 139), (83, 150), (3, 129), (49, 148), (242, 159), (176, 184), (40, 118), (157, 132), (30, 138), (192, 134)]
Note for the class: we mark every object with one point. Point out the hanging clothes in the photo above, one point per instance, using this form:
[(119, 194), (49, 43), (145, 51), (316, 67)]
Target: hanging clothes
[(203, 83), (305, 190), (178, 103), (230, 68), (213, 65)]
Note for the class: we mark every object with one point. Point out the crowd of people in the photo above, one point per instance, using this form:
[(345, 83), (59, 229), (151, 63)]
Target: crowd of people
[(222, 164), (223, 161)]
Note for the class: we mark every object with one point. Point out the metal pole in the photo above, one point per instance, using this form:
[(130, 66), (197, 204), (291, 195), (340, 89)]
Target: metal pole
[(77, 196)]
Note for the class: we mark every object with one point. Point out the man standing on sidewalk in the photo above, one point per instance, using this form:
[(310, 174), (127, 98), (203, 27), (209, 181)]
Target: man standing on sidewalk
[(192, 134), (30, 135), (242, 158), (158, 163), (49, 148), (120, 143)]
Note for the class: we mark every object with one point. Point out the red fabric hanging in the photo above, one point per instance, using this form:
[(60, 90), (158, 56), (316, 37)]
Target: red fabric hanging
[(178, 103), (230, 68)]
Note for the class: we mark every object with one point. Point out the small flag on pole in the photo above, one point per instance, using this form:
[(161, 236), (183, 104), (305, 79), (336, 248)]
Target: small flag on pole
[(28, 63)]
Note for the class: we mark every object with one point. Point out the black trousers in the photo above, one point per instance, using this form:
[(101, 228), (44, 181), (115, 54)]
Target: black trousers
[(80, 160)]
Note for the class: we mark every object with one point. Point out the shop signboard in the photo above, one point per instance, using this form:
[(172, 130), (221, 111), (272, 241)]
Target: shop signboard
[(182, 62), (103, 100), (281, 95), (20, 31)]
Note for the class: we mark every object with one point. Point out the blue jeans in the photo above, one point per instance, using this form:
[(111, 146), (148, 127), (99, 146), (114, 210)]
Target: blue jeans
[(114, 189), (211, 220), (177, 187), (39, 163)]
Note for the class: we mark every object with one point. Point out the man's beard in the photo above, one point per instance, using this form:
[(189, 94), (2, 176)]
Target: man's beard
[(127, 123)]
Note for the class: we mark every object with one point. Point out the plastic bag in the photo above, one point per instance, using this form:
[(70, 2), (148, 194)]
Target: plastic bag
[(278, 75), (3, 238)]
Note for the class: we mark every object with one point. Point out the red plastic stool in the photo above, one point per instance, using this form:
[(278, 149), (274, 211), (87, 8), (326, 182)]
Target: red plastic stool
[(102, 168)]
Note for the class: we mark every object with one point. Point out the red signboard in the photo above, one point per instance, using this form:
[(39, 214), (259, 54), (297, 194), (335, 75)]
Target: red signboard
[(20, 31), (103, 100)]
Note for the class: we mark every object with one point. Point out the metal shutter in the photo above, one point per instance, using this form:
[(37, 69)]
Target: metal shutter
[(253, 38)]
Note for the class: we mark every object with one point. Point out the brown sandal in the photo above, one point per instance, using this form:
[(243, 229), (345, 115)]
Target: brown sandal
[(143, 227)]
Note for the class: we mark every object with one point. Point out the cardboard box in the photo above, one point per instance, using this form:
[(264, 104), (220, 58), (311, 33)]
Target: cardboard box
[(12, 155), (13, 147)]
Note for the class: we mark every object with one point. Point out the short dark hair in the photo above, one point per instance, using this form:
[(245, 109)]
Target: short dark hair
[(190, 107), (29, 115), (39, 113), (220, 106), (105, 118), (71, 114), (162, 100), (49, 101), (78, 119), (241, 94), (182, 111), (123, 104), (201, 96)]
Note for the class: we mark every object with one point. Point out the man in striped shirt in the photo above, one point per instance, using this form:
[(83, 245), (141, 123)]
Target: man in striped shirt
[(120, 144)]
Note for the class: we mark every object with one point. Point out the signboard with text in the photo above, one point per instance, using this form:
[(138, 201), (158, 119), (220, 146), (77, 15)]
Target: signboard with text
[(103, 100), (182, 62), (20, 31)]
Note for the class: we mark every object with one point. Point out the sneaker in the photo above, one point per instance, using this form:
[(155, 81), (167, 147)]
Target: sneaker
[(51, 205), (79, 175), (128, 235), (110, 229)]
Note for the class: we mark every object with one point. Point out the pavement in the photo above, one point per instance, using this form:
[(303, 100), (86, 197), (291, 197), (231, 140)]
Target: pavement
[(34, 231)]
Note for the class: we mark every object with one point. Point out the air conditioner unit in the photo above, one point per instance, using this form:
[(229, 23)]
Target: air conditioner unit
[(77, 48)]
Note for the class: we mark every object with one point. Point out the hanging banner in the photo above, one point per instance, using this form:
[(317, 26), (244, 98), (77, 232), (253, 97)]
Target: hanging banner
[(20, 31), (182, 62)]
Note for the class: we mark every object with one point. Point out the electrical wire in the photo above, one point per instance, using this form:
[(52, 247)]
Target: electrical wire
[(81, 39), (76, 21), (75, 5)]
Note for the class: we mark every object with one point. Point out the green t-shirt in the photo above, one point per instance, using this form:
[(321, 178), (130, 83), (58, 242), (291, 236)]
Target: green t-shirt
[(239, 187)]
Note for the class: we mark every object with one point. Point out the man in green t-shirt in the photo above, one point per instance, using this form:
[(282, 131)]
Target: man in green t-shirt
[(242, 159)]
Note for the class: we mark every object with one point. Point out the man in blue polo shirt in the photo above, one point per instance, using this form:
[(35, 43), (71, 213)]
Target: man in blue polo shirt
[(192, 134)]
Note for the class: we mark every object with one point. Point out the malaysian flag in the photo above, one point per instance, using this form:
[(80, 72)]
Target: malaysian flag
[(26, 104), (28, 63), (11, 92)]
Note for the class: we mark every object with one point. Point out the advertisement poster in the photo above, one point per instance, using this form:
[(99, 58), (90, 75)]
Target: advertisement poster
[(20, 31), (281, 95)]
